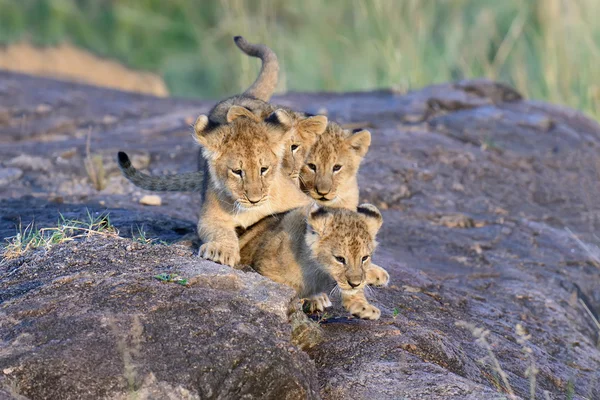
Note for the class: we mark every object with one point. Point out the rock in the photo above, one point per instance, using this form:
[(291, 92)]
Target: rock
[(43, 109), (468, 235), (151, 200), (98, 325), (5, 117), (29, 163), (8, 175), (140, 161)]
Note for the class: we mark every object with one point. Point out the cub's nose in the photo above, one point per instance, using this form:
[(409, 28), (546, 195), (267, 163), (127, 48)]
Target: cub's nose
[(321, 192), (353, 284)]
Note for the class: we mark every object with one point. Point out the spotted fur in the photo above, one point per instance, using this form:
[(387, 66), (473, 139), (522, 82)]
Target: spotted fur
[(316, 250)]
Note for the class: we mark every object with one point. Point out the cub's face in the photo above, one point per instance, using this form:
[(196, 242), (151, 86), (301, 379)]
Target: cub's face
[(343, 241), (244, 156), (304, 133), (333, 161)]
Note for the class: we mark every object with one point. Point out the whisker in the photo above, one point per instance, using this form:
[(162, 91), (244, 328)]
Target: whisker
[(370, 291)]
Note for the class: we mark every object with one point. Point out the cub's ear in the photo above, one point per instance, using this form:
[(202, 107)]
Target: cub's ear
[(360, 142), (236, 112), (313, 125), (318, 219), (205, 136), (279, 127), (280, 119), (371, 216)]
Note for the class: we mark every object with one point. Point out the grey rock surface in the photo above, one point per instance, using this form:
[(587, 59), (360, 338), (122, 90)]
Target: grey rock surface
[(484, 197), (8, 175), (88, 321)]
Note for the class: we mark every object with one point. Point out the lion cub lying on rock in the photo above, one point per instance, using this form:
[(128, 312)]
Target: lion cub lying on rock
[(315, 250)]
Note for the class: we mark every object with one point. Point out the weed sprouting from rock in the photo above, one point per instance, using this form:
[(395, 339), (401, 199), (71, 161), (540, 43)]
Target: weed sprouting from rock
[(66, 230)]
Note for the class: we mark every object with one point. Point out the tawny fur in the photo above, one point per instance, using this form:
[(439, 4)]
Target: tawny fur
[(329, 174), (304, 133), (242, 141), (245, 182), (315, 250), (264, 86)]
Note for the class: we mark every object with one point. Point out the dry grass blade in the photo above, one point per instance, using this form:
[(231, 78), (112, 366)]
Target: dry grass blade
[(481, 335), (94, 166), (594, 253)]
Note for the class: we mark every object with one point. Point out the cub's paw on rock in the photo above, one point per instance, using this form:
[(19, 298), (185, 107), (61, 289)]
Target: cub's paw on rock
[(221, 253), (363, 310), (377, 276), (318, 302)]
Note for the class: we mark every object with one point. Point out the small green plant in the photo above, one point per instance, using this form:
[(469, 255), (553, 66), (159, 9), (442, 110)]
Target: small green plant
[(142, 237), (489, 144), (171, 278), (324, 317), (65, 231), (396, 312)]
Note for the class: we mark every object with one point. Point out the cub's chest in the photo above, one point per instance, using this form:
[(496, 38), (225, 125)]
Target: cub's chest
[(248, 217)]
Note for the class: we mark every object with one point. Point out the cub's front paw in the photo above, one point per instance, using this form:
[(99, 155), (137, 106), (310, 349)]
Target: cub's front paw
[(363, 310), (377, 276), (222, 253), (318, 302)]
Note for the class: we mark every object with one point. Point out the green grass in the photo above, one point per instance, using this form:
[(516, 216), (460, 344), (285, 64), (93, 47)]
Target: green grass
[(547, 49), (141, 236), (171, 278), (66, 230)]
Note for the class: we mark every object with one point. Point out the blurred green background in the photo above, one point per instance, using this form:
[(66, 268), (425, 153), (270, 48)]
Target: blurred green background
[(547, 49)]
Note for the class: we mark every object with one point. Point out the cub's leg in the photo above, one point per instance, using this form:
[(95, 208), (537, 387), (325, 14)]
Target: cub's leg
[(318, 302), (356, 303), (217, 231), (377, 276)]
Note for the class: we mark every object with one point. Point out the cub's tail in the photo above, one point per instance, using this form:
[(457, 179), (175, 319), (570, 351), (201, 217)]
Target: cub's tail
[(188, 182), (264, 86)]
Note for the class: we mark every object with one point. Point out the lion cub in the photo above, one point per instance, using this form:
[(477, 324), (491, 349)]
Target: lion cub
[(242, 142), (315, 250), (329, 174), (244, 182)]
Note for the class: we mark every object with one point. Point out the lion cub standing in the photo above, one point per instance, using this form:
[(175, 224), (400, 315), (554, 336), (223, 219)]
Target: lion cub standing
[(316, 250), (243, 182), (242, 141)]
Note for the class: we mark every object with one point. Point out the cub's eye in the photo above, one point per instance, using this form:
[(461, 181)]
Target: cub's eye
[(294, 147), (264, 170), (337, 168), (312, 166), (341, 260), (365, 258), (238, 172)]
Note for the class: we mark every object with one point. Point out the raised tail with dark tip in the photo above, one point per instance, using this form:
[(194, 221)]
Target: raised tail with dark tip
[(264, 86), (187, 182)]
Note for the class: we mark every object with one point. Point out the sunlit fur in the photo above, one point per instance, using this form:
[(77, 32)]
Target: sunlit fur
[(244, 157), (329, 174), (246, 183), (304, 249), (305, 128)]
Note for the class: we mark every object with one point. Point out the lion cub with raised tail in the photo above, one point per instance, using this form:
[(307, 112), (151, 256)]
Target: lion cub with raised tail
[(244, 181), (315, 250)]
